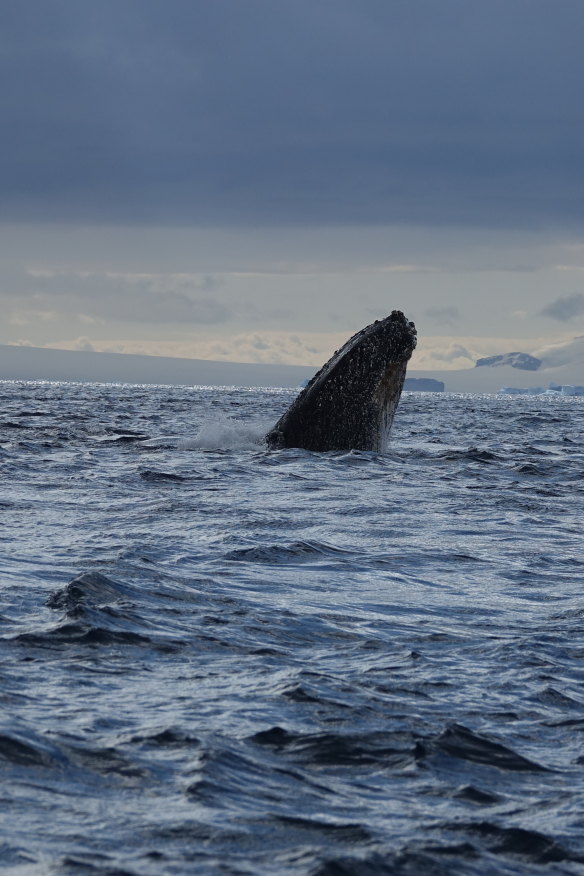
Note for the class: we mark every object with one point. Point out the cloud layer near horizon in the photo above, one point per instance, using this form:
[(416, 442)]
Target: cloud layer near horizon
[(312, 349), (295, 112)]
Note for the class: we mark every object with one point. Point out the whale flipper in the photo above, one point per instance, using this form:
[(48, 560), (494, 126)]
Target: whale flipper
[(350, 403)]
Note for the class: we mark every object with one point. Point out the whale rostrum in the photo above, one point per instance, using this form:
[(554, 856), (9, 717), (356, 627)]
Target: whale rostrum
[(350, 403)]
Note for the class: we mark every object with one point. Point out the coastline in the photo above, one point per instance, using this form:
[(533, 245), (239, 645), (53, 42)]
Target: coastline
[(41, 363)]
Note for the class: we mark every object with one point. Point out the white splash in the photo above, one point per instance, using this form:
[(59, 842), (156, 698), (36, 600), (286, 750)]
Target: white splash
[(226, 433)]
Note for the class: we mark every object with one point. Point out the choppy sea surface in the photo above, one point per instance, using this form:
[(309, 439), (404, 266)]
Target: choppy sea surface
[(219, 659)]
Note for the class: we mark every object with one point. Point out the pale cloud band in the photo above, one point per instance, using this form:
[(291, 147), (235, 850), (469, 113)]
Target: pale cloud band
[(313, 349)]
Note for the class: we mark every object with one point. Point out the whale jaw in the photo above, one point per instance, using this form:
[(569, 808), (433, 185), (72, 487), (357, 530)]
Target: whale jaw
[(350, 403)]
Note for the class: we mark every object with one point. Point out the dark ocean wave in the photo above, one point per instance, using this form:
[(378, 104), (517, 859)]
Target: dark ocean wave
[(237, 661), (296, 552)]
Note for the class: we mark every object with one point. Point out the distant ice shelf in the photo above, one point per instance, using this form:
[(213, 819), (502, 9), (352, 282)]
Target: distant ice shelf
[(553, 389)]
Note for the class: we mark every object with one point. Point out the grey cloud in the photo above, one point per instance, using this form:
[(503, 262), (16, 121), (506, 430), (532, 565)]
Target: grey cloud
[(119, 298), (209, 283), (455, 351), (83, 343), (301, 111), (445, 315), (566, 308), (568, 353)]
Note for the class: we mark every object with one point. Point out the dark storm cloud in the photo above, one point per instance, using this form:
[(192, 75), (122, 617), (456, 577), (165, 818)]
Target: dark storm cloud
[(299, 111), (565, 308)]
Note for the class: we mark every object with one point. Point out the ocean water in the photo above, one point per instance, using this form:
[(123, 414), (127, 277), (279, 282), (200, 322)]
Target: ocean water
[(217, 659)]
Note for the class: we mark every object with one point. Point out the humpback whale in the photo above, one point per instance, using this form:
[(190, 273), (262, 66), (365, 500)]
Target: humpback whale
[(350, 403)]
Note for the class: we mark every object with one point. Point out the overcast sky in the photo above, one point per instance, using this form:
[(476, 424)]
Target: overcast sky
[(257, 179)]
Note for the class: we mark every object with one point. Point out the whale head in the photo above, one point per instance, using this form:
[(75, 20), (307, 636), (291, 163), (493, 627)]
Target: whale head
[(350, 403)]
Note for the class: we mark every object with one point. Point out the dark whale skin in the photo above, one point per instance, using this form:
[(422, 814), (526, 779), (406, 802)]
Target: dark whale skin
[(350, 403)]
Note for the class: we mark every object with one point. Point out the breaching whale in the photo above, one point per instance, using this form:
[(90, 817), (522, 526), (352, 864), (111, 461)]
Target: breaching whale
[(350, 403)]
